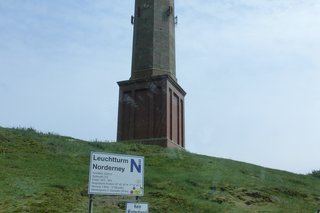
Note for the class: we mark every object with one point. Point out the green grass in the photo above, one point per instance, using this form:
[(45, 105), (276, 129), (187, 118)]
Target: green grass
[(49, 173)]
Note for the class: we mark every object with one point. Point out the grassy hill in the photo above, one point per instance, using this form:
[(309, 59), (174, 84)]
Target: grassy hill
[(49, 173)]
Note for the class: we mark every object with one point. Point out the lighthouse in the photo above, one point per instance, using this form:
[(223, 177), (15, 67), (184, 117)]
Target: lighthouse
[(151, 103)]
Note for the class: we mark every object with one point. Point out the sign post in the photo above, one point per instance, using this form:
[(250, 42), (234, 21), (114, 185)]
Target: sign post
[(90, 203), (114, 174)]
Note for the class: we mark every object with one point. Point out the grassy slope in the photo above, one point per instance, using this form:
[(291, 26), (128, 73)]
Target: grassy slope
[(49, 173)]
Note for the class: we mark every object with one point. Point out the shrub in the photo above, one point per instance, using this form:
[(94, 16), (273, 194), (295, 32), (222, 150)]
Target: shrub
[(316, 173)]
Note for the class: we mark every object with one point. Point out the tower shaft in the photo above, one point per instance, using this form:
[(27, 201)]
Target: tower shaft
[(153, 39)]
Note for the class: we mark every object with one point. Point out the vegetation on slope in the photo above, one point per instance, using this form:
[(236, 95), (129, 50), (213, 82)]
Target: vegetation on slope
[(49, 173), (315, 173)]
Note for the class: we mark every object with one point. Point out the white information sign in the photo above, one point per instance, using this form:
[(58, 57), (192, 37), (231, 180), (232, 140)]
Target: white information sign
[(113, 174), (137, 208)]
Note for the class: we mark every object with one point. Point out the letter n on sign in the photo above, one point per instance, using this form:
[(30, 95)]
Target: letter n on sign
[(136, 166)]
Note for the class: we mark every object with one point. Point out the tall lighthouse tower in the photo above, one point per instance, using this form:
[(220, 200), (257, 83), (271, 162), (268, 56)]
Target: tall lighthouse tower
[(151, 103)]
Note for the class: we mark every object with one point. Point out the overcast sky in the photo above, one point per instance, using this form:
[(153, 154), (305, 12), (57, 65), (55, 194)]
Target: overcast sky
[(251, 69)]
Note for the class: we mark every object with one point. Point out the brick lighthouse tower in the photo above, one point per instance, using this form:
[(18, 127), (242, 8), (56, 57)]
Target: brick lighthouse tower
[(151, 103)]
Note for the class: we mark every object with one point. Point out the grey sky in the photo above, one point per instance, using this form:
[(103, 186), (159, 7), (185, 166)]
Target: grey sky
[(250, 68)]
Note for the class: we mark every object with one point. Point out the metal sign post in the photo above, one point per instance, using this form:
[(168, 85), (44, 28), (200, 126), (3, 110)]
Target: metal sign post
[(91, 203)]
